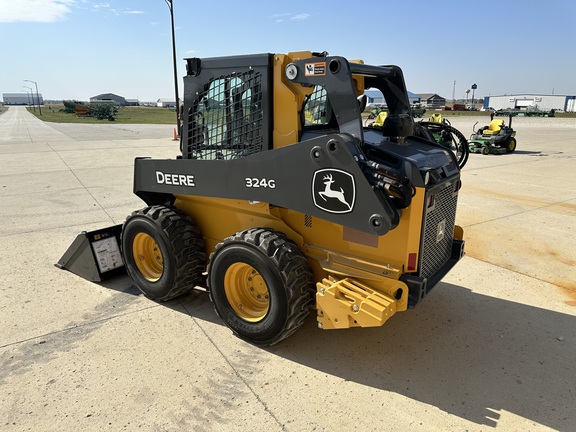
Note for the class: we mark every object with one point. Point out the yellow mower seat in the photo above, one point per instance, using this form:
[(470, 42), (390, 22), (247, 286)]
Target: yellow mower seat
[(380, 119), (436, 118), (494, 127)]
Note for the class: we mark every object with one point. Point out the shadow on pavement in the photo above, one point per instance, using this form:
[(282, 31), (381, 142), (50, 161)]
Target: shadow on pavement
[(121, 284), (467, 354), (531, 153)]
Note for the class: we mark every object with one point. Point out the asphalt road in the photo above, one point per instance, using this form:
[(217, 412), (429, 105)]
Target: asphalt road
[(492, 347)]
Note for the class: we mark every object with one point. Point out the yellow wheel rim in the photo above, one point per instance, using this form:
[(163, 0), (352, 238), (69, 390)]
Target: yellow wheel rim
[(512, 145), (246, 292), (148, 257)]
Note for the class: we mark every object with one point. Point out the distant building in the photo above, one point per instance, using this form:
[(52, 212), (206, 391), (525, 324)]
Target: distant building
[(432, 100), (375, 97), (166, 103), (108, 98), (22, 99), (532, 102)]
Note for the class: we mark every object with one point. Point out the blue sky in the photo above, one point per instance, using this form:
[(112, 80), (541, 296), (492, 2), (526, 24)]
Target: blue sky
[(75, 49)]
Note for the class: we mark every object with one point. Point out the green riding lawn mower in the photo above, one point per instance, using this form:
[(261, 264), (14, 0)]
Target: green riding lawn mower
[(496, 138)]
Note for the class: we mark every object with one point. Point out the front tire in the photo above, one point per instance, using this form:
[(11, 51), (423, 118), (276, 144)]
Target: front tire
[(261, 285), (163, 252), (511, 145)]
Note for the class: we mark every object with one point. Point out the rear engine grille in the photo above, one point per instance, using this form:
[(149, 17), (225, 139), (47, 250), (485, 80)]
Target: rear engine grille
[(438, 228)]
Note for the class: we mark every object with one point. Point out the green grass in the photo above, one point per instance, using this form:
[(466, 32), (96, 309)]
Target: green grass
[(126, 115), (154, 115)]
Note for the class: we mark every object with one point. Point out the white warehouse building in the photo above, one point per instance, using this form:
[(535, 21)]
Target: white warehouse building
[(22, 99), (532, 102)]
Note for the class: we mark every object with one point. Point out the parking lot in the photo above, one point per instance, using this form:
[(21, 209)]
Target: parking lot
[(492, 347)]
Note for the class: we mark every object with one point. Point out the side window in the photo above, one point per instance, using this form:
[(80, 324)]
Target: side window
[(226, 120), (317, 109)]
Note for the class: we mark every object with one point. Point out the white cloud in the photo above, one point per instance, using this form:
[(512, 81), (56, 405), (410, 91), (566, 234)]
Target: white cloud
[(105, 8), (34, 10), (300, 17), (281, 17)]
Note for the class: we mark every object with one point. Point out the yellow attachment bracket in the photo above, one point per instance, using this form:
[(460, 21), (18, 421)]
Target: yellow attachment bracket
[(348, 303)]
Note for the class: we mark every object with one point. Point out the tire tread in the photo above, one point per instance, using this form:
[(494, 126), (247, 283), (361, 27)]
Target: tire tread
[(185, 241), (294, 269)]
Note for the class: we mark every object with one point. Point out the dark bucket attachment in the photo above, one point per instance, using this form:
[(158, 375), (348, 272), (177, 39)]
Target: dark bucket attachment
[(95, 255)]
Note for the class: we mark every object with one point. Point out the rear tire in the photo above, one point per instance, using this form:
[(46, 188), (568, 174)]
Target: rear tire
[(261, 285), (485, 150), (163, 252)]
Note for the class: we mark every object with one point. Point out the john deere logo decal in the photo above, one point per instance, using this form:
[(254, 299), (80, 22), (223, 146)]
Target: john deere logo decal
[(334, 190), (441, 231)]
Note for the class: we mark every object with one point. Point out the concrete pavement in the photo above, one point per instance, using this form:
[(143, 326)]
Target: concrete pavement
[(492, 347)]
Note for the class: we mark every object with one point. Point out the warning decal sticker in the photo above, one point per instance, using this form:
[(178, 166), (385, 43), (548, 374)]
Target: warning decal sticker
[(315, 69)]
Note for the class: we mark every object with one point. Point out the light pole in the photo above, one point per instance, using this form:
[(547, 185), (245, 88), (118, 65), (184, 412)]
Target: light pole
[(37, 95), (28, 94), (171, 7)]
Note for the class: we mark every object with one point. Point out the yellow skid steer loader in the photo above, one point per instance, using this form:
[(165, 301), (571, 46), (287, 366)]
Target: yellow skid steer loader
[(285, 203)]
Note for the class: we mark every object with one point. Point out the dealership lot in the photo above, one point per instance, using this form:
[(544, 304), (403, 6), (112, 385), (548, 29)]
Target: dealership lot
[(493, 346)]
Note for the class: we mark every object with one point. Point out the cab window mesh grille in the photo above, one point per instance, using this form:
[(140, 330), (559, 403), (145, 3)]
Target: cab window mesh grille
[(226, 119)]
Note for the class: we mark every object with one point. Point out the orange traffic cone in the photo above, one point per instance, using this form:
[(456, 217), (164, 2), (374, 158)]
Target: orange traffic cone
[(176, 137)]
